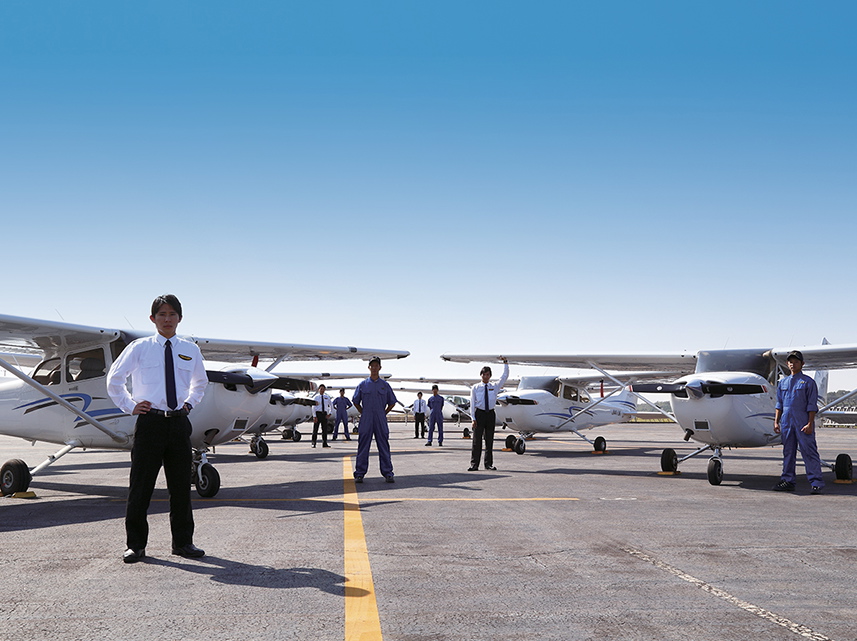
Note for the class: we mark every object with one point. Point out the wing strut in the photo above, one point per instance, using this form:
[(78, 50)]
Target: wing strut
[(59, 399), (631, 390)]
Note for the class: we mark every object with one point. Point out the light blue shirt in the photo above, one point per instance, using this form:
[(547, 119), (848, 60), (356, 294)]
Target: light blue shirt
[(797, 396)]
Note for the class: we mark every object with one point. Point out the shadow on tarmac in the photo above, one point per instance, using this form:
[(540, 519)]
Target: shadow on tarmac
[(261, 576)]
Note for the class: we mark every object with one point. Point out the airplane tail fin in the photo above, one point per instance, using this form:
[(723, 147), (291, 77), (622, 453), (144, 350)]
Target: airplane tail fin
[(821, 378)]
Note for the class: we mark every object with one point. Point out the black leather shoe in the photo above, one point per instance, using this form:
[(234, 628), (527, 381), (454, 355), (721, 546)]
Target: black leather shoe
[(325, 445), (390, 479), (189, 550), (132, 556), (491, 467), (358, 479), (472, 469)]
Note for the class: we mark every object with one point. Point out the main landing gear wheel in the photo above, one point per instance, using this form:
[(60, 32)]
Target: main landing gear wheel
[(466, 433), (296, 436), (715, 471), (843, 468), (510, 442), (600, 444), (14, 476), (669, 460), (520, 446), (260, 449), (207, 481)]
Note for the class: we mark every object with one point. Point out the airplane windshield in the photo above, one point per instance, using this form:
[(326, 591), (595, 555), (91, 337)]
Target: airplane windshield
[(48, 372), (736, 360), (546, 383)]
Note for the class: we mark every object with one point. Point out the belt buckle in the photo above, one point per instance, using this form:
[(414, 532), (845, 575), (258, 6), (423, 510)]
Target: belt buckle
[(171, 413)]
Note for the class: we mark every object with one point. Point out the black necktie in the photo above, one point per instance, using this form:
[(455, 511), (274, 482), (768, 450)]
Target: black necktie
[(486, 398), (170, 376)]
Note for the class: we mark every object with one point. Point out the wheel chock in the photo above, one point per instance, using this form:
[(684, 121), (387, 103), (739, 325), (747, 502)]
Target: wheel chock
[(24, 495), (604, 452), (676, 473), (844, 481), (507, 449)]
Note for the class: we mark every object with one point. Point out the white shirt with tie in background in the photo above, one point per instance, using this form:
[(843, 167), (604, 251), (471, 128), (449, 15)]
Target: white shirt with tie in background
[(477, 392), (322, 404)]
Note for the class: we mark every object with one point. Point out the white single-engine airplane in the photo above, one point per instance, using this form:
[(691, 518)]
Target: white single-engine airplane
[(291, 404), (724, 399), (64, 400), (553, 404)]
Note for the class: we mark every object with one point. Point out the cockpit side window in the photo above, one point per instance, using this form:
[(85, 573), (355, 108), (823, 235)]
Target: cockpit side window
[(84, 365), (48, 372), (570, 393)]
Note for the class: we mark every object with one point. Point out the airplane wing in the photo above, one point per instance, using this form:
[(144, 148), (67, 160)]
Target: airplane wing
[(842, 356), (683, 363), (230, 351), (645, 375), (29, 335), (426, 380)]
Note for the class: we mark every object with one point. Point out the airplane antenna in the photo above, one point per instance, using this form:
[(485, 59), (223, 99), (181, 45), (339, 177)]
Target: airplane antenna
[(58, 314), (130, 324)]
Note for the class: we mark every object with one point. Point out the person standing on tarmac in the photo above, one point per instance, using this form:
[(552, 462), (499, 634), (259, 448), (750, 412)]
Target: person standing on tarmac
[(435, 404), (341, 405), (168, 380), (483, 398), (794, 418), (321, 410), (373, 398), (420, 416)]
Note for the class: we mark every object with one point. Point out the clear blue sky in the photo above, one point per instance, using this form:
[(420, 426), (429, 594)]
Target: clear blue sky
[(435, 176)]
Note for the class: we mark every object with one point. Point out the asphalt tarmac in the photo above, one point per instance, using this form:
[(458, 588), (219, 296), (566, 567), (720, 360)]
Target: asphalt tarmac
[(559, 543)]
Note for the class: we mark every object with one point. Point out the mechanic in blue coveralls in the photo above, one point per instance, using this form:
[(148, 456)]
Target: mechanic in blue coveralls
[(435, 404), (341, 405), (794, 418), (373, 398)]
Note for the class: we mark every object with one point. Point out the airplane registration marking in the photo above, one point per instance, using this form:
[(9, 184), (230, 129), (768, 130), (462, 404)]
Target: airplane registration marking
[(797, 628), (362, 622)]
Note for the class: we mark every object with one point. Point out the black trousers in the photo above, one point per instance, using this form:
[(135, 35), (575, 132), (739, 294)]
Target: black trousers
[(320, 423), (484, 430), (160, 441), (420, 424)]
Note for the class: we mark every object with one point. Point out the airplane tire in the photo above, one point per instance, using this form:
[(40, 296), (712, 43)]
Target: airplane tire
[(466, 433), (296, 436), (520, 446), (843, 468), (261, 450), (207, 481), (288, 434), (715, 471), (510, 442), (600, 444), (669, 460), (14, 476)]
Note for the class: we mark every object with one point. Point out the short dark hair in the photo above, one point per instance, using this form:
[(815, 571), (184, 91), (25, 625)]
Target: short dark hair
[(167, 299), (434, 387), (485, 370)]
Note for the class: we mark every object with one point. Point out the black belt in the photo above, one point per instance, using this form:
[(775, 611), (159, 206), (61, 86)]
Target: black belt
[(168, 413)]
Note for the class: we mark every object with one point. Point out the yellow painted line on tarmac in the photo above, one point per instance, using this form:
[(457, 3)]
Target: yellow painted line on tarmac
[(362, 622)]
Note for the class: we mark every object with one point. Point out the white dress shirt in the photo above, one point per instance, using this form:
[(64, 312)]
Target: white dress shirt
[(143, 361), (477, 393), (322, 403), (420, 406)]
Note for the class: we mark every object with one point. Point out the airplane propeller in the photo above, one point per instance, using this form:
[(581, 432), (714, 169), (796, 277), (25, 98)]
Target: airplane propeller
[(698, 389)]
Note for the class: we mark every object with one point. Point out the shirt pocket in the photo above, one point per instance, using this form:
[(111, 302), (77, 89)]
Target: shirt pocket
[(151, 370)]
